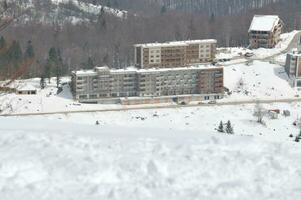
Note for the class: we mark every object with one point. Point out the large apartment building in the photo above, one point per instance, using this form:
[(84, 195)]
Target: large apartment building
[(265, 31), (174, 54), (293, 66), (103, 85)]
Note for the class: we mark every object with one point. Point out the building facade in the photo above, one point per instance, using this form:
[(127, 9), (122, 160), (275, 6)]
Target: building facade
[(265, 31), (174, 54), (103, 85), (293, 66)]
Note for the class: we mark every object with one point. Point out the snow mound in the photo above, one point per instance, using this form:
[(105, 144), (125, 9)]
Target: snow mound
[(68, 161)]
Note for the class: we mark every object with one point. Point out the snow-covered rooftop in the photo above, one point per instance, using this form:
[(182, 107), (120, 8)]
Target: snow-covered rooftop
[(176, 43), (135, 70), (264, 22), (26, 87)]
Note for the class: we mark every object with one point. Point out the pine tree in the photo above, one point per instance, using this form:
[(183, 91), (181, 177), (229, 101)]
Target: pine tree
[(59, 66), (2, 42), (58, 76), (42, 82), (297, 139), (15, 54), (101, 19), (51, 67), (220, 127), (29, 53), (163, 9), (48, 70), (105, 59), (89, 64), (229, 128)]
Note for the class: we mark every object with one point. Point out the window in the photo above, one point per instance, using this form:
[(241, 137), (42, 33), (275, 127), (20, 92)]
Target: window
[(93, 96), (206, 97), (82, 96)]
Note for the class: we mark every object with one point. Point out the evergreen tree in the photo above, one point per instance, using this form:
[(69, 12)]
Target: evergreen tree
[(42, 82), (2, 42), (54, 63), (101, 19), (297, 139), (221, 127), (89, 64), (229, 128), (29, 53), (52, 55), (163, 9), (59, 67), (212, 18), (105, 59), (15, 54), (48, 70)]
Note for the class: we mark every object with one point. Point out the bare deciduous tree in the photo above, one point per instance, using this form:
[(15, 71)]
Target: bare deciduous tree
[(259, 112)]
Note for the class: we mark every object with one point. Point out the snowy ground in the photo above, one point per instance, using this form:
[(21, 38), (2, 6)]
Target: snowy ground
[(153, 154), (260, 80)]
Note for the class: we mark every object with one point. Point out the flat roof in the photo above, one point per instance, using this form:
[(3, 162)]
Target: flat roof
[(26, 87), (85, 72), (264, 22), (176, 43), (132, 69)]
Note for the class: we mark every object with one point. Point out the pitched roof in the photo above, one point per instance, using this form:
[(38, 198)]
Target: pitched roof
[(264, 22)]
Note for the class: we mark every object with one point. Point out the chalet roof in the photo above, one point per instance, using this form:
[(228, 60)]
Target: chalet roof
[(264, 22)]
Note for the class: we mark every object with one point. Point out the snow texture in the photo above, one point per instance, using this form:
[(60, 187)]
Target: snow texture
[(264, 22), (165, 154)]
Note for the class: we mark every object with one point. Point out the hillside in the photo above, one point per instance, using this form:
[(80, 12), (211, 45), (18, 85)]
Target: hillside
[(86, 33), (60, 11), (216, 7)]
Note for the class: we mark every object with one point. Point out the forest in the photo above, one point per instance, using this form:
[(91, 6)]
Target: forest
[(105, 39)]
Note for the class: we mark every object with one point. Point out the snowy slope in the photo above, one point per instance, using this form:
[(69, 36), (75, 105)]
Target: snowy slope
[(51, 159), (61, 11), (260, 80), (90, 8)]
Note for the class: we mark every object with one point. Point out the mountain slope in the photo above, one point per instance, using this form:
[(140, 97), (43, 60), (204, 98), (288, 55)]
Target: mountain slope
[(61, 11), (216, 7)]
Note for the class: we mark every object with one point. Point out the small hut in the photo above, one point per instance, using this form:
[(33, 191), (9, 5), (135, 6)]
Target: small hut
[(26, 90)]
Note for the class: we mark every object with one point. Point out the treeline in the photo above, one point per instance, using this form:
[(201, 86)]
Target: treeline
[(109, 40), (216, 7), (12, 56)]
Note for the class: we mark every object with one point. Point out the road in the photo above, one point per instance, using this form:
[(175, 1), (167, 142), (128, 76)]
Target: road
[(232, 103), (293, 44)]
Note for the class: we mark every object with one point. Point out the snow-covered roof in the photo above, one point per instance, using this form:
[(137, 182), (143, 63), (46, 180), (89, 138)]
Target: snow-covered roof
[(264, 22), (26, 87), (176, 43), (137, 70), (90, 72)]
